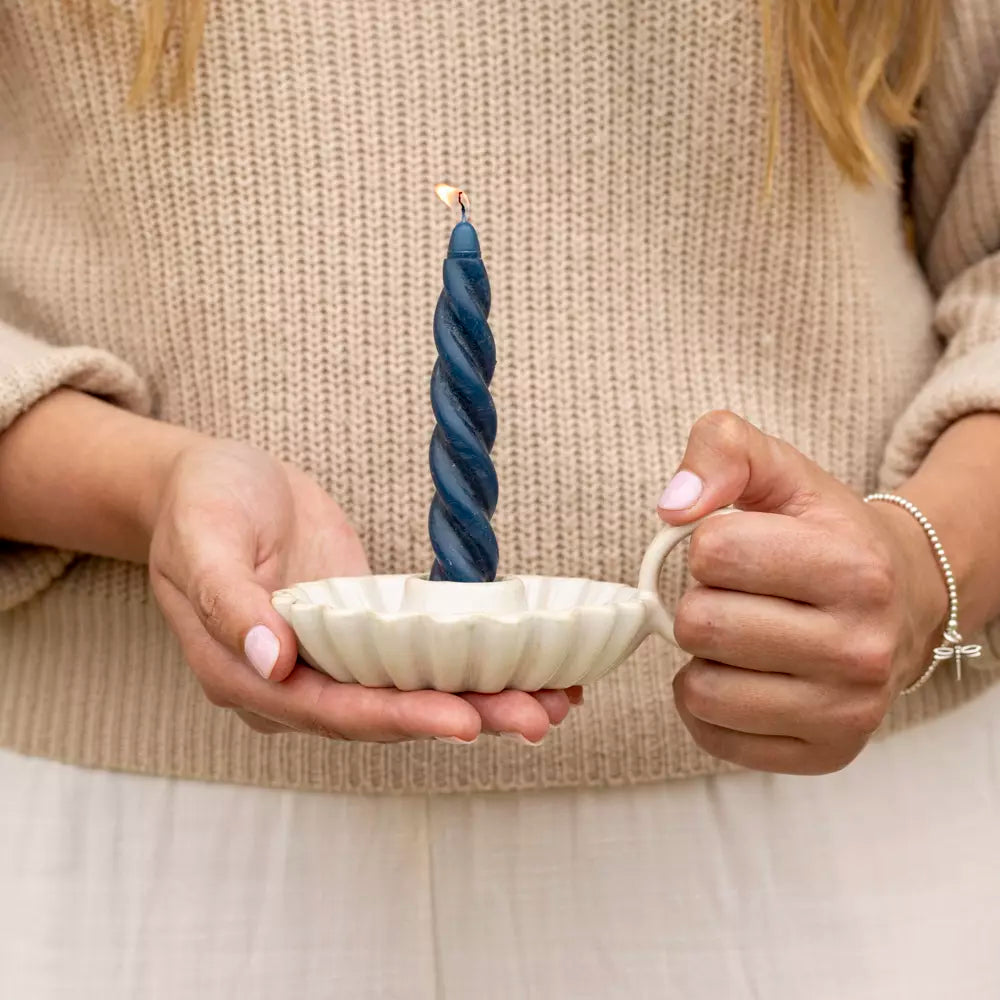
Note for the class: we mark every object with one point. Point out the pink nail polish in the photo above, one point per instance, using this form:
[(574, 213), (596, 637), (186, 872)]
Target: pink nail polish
[(261, 647), (682, 491)]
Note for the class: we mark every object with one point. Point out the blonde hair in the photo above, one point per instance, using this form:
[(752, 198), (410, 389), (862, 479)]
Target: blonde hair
[(159, 19), (844, 55)]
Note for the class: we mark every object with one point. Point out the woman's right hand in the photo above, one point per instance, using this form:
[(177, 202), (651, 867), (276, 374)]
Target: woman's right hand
[(230, 525)]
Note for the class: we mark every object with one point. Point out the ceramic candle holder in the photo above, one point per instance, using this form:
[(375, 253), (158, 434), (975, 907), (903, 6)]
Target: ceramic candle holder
[(522, 632)]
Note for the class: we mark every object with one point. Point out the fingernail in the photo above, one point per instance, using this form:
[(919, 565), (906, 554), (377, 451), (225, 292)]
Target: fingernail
[(575, 699), (261, 647), (455, 739), (522, 738), (682, 491)]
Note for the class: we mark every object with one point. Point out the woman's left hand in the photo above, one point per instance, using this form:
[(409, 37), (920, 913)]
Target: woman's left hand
[(812, 609)]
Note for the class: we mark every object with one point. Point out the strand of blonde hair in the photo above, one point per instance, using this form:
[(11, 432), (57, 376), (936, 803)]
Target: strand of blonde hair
[(159, 17)]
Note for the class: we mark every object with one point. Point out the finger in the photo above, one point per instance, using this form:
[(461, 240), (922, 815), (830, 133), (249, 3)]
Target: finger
[(260, 724), (311, 702), (556, 704), (511, 712), (779, 754), (730, 461), (759, 633), (215, 570), (218, 670), (772, 555), (235, 610), (747, 701)]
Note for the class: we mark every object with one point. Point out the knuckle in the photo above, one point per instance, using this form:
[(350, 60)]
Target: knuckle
[(869, 661), (862, 716), (694, 623), (213, 603), (803, 498), (317, 718), (724, 430), (709, 550), (875, 580), (210, 602), (693, 690)]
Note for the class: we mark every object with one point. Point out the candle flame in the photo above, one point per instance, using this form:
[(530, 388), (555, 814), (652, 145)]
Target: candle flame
[(453, 197)]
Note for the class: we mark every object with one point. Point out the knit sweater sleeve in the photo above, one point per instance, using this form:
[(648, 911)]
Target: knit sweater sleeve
[(30, 369), (956, 205)]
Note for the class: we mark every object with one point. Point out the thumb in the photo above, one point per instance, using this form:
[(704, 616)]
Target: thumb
[(236, 611), (730, 461)]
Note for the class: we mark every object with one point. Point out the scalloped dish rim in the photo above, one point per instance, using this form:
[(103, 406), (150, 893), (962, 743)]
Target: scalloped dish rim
[(628, 594)]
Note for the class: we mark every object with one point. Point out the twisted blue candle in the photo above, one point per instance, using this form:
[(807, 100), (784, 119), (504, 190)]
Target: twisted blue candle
[(465, 480)]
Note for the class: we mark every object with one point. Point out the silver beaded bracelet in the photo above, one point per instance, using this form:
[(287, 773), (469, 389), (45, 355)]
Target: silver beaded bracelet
[(952, 647)]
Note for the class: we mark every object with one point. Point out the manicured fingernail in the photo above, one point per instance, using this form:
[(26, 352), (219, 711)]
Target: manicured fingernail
[(575, 699), (455, 739), (682, 491), (522, 739), (261, 647)]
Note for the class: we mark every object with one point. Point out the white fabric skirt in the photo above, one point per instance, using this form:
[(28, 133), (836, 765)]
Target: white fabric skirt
[(882, 881)]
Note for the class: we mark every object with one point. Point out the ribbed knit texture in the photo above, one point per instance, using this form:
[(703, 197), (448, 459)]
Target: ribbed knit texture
[(263, 264)]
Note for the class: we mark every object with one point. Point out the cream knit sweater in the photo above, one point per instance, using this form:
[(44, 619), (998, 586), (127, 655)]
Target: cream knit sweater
[(264, 264)]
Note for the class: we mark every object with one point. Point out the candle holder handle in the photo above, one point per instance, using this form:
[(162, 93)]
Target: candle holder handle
[(660, 619)]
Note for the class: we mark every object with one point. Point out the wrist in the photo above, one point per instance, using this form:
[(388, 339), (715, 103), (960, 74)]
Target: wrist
[(956, 487), (79, 473), (924, 590), (162, 445)]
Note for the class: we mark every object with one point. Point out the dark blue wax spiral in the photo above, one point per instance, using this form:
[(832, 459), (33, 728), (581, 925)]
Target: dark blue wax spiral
[(464, 544)]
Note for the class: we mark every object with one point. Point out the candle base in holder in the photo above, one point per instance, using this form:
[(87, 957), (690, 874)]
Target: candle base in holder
[(445, 597)]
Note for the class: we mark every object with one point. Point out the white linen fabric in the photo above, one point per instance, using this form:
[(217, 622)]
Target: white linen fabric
[(880, 881)]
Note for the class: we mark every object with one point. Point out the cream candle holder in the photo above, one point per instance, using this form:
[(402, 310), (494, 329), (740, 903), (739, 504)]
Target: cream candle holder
[(521, 632)]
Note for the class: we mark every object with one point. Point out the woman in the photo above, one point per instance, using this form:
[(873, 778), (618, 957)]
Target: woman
[(214, 355)]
